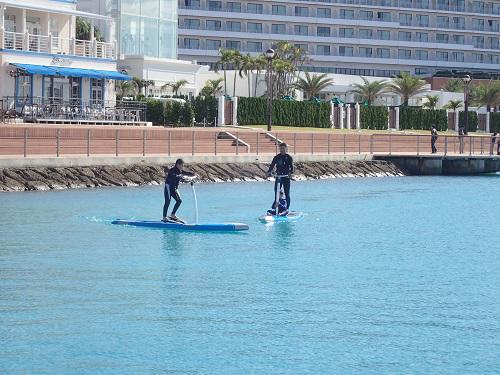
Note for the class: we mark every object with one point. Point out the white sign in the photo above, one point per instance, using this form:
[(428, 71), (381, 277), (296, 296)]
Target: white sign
[(61, 61)]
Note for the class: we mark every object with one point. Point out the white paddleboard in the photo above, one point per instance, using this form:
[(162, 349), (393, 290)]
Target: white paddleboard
[(292, 216)]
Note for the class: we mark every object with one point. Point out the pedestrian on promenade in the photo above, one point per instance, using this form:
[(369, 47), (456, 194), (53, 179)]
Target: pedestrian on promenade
[(461, 138), (434, 138), (494, 138)]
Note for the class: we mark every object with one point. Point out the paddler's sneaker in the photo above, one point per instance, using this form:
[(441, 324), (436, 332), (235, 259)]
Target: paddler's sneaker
[(284, 213)]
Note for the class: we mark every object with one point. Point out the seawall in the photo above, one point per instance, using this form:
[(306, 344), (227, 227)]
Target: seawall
[(41, 178)]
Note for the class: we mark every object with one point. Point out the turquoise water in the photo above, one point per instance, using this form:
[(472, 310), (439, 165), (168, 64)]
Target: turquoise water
[(383, 276)]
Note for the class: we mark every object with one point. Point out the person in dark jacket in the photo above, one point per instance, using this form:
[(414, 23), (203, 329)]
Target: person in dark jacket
[(494, 138), (434, 138), (174, 176), (284, 170), (461, 138)]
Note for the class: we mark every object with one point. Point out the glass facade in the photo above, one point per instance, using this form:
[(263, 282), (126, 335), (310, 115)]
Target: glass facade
[(149, 28)]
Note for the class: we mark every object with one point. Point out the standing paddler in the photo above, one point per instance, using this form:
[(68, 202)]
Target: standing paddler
[(171, 191), (284, 170)]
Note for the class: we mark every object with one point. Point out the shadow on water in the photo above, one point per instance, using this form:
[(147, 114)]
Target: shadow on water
[(282, 233)]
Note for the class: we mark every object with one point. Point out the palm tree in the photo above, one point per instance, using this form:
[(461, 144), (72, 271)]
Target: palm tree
[(226, 57), (236, 61), (259, 64), (127, 88), (143, 84), (246, 67), (312, 85), (406, 86), (453, 105), (369, 91), (212, 87), (454, 85), (175, 86), (432, 101), (487, 95)]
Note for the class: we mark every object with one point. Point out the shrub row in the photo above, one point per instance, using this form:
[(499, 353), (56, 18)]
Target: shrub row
[(495, 121), (472, 120), (422, 119), (205, 109), (373, 117), (170, 113), (252, 111)]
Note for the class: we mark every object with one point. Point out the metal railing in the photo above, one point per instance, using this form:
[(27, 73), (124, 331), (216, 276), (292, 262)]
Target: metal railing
[(24, 141), (56, 45)]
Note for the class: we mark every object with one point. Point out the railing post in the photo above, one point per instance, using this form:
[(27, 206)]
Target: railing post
[(418, 144), (445, 145), (295, 143), (482, 145), (25, 148), (237, 143), (276, 142), (58, 136), (117, 135), (192, 142), (258, 137), (470, 145), (371, 144), (359, 143), (88, 142), (344, 142), (215, 142), (144, 142), (312, 143), (328, 143), (169, 142), (390, 143)]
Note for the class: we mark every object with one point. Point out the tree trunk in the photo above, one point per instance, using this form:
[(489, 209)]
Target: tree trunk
[(234, 84), (225, 82)]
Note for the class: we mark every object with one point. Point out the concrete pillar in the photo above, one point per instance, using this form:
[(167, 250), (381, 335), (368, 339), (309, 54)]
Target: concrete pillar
[(111, 31), (348, 115), (23, 21), (487, 121), (457, 116), (92, 29), (341, 116), (235, 111), (389, 118), (220, 111), (358, 116), (2, 17), (332, 115), (397, 117)]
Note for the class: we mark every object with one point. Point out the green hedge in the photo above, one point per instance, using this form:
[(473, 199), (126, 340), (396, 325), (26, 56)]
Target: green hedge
[(205, 108), (473, 120), (253, 111), (495, 121), (373, 117), (422, 119), (169, 113)]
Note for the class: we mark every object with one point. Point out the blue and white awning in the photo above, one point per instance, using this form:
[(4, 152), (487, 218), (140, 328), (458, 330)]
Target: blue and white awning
[(60, 71)]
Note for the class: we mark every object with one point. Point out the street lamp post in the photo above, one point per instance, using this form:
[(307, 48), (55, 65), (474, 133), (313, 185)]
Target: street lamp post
[(466, 81), (270, 55)]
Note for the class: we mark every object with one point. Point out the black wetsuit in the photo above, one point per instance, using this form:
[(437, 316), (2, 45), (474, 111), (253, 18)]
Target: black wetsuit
[(284, 167), (434, 138), (174, 177)]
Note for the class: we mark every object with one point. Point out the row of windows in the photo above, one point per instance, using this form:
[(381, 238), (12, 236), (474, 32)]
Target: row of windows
[(326, 12), (327, 50), (348, 32)]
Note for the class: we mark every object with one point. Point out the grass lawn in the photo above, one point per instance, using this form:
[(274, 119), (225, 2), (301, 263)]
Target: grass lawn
[(340, 131)]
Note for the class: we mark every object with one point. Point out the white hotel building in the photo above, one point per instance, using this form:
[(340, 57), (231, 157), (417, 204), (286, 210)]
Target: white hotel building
[(356, 37), (42, 62)]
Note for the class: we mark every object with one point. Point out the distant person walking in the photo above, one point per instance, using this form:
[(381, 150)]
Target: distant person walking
[(434, 138), (494, 138), (461, 138)]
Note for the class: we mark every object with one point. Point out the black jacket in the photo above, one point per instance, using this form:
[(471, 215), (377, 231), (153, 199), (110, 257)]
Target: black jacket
[(283, 163), (174, 177)]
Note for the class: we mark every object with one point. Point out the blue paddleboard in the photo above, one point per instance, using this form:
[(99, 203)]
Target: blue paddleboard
[(292, 216), (209, 227)]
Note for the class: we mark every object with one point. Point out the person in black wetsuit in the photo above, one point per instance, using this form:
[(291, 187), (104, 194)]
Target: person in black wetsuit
[(434, 138), (174, 177), (284, 167)]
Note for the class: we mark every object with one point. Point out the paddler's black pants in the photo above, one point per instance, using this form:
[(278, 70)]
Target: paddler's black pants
[(285, 182), (170, 192)]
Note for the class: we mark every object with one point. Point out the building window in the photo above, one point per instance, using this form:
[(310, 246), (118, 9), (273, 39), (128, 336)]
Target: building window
[(458, 39), (254, 8), (422, 20), (384, 16), (278, 28), (443, 22), (279, 10), (214, 25), (191, 24), (404, 36), (478, 24), (478, 7), (443, 4), (478, 41), (365, 52), (301, 30), (254, 27), (493, 43), (405, 19), (493, 25), (301, 11), (254, 46), (404, 54), (477, 57), (233, 6), (233, 44), (346, 51), (422, 37), (492, 59), (194, 4), (442, 56), (384, 34), (347, 14), (422, 54), (214, 5), (212, 44), (233, 26), (323, 50), (97, 90), (365, 33), (191, 43), (457, 56), (303, 47), (442, 38), (366, 15), (346, 32), (384, 53), (324, 13), (323, 31), (405, 3), (459, 23), (422, 4)]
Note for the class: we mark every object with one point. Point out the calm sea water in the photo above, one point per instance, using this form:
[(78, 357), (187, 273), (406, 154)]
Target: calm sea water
[(383, 276)]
